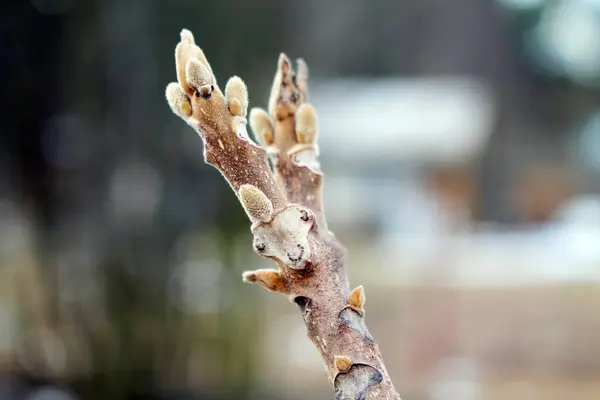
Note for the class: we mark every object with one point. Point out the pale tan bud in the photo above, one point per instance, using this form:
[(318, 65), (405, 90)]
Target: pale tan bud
[(306, 124), (261, 126), (178, 101), (199, 79), (256, 204), (186, 51), (268, 278), (237, 96)]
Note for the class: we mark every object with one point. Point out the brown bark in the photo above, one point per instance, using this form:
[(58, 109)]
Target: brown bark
[(285, 207)]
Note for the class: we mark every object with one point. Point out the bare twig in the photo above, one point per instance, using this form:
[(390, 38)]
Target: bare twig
[(285, 207)]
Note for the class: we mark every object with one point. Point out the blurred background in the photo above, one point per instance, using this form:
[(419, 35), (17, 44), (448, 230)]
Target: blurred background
[(461, 145)]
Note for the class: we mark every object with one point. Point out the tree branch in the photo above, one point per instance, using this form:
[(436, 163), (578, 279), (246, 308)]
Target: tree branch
[(285, 207), (289, 132)]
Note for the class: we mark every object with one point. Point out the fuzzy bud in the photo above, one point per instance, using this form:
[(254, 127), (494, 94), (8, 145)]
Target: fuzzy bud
[(268, 278), (306, 124), (237, 96), (178, 101), (261, 126), (199, 78), (256, 203), (187, 51)]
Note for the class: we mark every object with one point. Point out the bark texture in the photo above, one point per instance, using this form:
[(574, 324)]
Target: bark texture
[(284, 203)]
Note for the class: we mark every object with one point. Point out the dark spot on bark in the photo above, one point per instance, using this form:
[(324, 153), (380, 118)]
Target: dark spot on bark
[(304, 215), (294, 97), (260, 247), (296, 259), (355, 384), (304, 303), (206, 95)]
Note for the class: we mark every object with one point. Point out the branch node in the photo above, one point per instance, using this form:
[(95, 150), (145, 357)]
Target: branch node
[(354, 320), (358, 382), (285, 237), (306, 155)]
